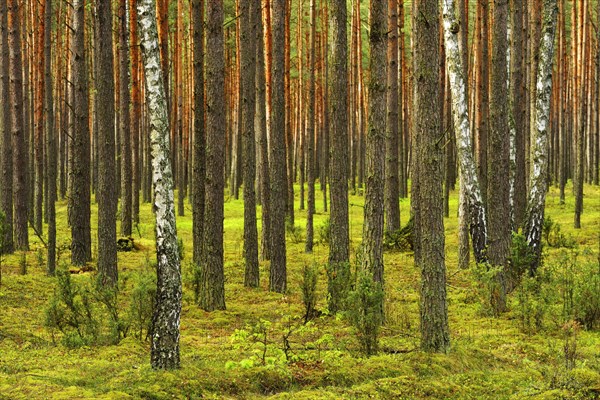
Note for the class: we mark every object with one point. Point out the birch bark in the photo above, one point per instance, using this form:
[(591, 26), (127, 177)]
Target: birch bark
[(166, 318)]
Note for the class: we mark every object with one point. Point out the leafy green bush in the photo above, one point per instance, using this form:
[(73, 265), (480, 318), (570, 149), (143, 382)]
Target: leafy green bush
[(521, 259), (365, 312), (486, 278), (339, 280)]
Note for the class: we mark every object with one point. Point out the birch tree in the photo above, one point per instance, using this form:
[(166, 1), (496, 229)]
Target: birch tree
[(538, 179), (166, 318)]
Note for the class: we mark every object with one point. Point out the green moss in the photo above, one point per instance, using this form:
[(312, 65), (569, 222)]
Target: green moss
[(489, 358)]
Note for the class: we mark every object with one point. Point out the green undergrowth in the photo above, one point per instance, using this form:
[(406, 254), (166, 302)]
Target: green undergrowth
[(261, 346)]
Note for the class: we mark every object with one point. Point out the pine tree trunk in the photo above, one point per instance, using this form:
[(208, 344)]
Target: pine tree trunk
[(338, 167), (80, 148), (260, 126), (165, 321), (373, 213), (199, 136), (38, 134), (310, 130), (482, 96), (50, 142), (6, 155), (212, 285), (392, 192), (278, 272), (107, 191), (124, 120), (538, 179), (248, 24), (498, 157), (429, 222), (136, 112)]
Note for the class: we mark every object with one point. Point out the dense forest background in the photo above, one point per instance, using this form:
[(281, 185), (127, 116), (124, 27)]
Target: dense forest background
[(299, 199)]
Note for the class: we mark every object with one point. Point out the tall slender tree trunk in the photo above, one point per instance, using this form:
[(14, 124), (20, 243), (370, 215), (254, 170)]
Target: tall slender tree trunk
[(260, 127), (165, 321), (373, 212), (338, 167), (392, 191), (50, 141), (38, 105), (278, 272), (429, 222), (498, 156), (538, 179), (248, 24), (107, 191), (6, 155), (212, 284), (580, 112), (80, 149), (310, 129), (124, 120), (19, 133), (476, 209), (482, 95), (198, 177), (136, 112)]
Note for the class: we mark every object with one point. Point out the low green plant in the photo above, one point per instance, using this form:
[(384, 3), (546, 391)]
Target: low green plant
[(3, 228), (294, 232), (143, 303), (365, 312), (325, 232), (486, 278), (586, 296), (400, 240), (520, 261), (534, 297), (309, 291), (255, 340), (551, 232), (339, 281), (71, 311)]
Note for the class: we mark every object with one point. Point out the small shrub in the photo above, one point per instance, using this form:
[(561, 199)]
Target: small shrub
[(107, 296), (143, 303), (586, 296), (400, 240), (180, 248), (309, 291), (325, 232), (71, 312), (570, 332), (339, 280), (521, 259), (365, 312), (534, 296), (40, 259), (487, 288), (551, 232), (294, 232)]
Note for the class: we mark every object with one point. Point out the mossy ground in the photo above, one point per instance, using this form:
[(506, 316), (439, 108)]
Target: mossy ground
[(489, 358)]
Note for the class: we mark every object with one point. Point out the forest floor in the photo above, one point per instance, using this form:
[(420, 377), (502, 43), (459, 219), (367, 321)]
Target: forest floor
[(241, 352)]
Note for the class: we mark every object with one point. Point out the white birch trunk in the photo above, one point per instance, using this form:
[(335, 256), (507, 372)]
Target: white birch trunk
[(476, 209), (538, 178), (165, 322)]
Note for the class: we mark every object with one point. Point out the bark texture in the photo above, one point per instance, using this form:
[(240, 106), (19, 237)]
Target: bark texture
[(278, 272), (249, 20), (212, 280), (310, 131), (124, 120), (199, 135), (373, 216), (50, 141), (338, 167), (498, 169), (476, 209), (107, 190), (538, 180), (392, 191), (6, 200), (165, 321), (79, 198), (429, 222)]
